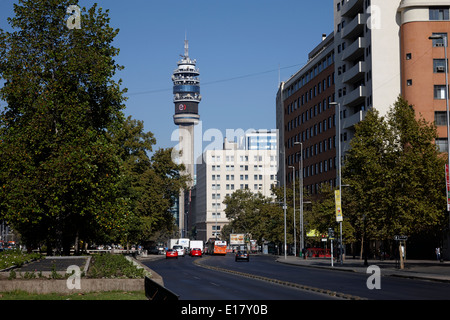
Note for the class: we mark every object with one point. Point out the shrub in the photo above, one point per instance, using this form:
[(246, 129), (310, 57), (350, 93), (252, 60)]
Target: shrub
[(113, 266), (17, 258)]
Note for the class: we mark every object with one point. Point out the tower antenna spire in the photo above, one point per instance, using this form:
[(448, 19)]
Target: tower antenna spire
[(186, 45)]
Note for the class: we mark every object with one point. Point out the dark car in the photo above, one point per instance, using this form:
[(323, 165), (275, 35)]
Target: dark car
[(153, 250), (242, 255)]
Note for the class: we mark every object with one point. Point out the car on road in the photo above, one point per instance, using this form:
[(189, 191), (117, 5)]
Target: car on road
[(179, 249), (242, 255), (196, 252), (171, 253)]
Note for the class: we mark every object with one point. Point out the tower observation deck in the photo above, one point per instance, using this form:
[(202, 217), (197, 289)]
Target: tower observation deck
[(186, 90)]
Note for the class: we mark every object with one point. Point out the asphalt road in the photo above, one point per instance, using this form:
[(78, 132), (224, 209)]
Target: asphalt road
[(193, 282)]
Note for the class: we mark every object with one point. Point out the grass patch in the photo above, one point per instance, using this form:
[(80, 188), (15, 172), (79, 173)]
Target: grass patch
[(9, 258), (108, 295)]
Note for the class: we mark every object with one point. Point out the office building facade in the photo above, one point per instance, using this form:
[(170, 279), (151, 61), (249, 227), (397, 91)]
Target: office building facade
[(222, 172), (306, 121), (423, 66), (367, 67), (381, 49)]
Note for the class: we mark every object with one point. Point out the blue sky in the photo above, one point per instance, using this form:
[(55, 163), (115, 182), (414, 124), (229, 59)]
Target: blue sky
[(242, 48)]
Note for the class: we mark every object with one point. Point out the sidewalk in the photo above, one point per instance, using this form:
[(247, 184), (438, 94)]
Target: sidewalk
[(418, 269)]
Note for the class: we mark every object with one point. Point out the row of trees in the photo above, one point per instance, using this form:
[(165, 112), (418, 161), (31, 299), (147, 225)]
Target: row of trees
[(72, 166), (394, 181)]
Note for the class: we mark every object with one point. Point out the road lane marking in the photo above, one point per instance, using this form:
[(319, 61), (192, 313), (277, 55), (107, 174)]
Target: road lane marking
[(280, 282)]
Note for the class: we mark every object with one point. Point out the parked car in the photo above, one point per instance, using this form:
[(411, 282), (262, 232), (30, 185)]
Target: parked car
[(242, 255), (180, 250), (153, 250), (196, 252), (171, 253)]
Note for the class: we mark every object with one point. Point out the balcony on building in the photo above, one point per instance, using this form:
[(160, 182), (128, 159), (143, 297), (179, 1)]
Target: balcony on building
[(355, 73), (355, 97), (354, 50), (191, 71), (353, 119), (352, 7), (355, 27)]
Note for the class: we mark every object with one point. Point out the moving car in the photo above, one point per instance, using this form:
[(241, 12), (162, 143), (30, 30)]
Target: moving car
[(196, 252), (171, 253), (242, 255), (180, 249)]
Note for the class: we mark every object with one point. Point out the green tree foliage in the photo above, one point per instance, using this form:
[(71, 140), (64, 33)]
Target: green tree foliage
[(396, 175), (60, 170), (255, 214), (158, 188), (323, 214), (419, 174), (71, 166)]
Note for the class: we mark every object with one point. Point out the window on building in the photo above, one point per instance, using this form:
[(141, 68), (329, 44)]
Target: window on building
[(215, 187), (441, 143), (439, 65), (409, 82), (439, 92), (440, 118), (438, 42), (216, 205), (439, 13)]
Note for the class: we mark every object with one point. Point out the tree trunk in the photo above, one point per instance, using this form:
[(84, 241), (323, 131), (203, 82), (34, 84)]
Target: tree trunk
[(362, 249), (49, 249), (76, 246)]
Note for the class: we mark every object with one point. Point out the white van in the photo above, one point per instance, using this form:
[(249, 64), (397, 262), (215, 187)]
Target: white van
[(179, 249)]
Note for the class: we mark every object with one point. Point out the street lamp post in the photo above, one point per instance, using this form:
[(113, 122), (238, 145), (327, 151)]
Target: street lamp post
[(216, 196), (339, 168), (293, 196), (445, 40), (302, 245), (283, 148)]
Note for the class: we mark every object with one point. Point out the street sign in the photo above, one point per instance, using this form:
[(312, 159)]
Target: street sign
[(400, 238)]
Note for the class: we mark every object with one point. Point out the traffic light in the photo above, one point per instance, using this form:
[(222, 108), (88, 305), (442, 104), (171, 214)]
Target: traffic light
[(330, 233)]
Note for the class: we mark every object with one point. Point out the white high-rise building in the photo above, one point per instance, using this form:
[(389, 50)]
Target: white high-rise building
[(224, 171), (367, 59)]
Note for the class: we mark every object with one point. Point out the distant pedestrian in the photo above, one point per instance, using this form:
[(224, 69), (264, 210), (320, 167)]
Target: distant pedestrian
[(438, 253)]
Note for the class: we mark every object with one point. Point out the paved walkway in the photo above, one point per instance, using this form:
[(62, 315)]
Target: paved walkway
[(420, 269), (55, 264)]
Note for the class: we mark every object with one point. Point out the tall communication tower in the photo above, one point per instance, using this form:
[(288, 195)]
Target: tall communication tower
[(186, 97)]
